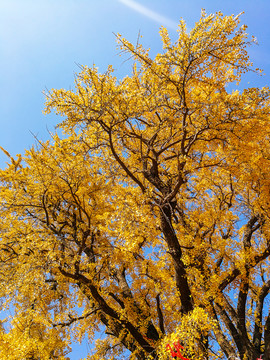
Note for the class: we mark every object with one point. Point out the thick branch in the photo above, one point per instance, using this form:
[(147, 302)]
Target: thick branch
[(176, 254), (267, 338), (127, 294), (114, 327), (160, 315), (241, 313), (231, 327), (107, 309), (221, 338), (257, 334)]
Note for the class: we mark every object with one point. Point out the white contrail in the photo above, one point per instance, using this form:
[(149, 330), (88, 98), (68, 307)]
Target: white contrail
[(150, 14)]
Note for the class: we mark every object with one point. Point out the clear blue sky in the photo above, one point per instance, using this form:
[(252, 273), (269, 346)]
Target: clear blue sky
[(41, 41)]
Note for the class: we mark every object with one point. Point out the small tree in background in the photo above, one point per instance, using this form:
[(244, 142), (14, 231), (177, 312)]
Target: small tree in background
[(150, 217)]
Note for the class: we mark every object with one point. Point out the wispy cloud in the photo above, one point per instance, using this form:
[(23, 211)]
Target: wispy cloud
[(150, 14)]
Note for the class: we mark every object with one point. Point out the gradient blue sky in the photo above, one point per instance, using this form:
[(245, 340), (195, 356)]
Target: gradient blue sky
[(42, 41)]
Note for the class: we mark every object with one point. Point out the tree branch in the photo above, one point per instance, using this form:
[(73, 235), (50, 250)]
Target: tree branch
[(160, 315), (122, 164), (257, 334)]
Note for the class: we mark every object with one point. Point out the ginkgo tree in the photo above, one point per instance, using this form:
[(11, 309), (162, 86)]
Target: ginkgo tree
[(147, 218)]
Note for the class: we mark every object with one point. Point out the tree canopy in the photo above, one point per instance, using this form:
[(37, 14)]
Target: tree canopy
[(147, 218)]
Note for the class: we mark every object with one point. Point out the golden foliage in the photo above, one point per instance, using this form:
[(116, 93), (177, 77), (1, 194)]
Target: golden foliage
[(149, 216)]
